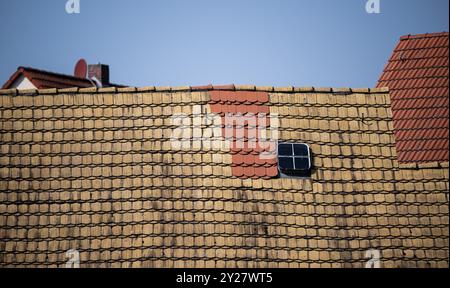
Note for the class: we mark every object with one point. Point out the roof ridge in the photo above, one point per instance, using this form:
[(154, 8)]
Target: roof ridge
[(424, 35), (270, 89), (50, 72)]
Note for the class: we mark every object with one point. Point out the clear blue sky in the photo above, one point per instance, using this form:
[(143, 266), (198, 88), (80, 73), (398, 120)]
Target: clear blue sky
[(195, 42)]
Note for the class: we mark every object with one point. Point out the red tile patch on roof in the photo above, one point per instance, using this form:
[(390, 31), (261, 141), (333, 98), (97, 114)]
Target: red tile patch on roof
[(245, 148), (417, 77)]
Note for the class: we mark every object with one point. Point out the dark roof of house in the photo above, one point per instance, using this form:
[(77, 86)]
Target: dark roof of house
[(45, 79), (417, 77)]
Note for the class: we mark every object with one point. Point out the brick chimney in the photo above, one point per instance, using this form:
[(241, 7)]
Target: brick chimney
[(100, 72)]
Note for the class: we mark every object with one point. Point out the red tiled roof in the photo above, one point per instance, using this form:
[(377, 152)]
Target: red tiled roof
[(45, 79), (417, 76), (247, 162)]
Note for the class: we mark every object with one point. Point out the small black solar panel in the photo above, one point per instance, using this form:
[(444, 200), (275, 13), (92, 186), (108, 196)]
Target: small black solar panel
[(294, 159)]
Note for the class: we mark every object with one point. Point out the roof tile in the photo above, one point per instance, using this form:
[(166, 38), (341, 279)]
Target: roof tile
[(417, 75)]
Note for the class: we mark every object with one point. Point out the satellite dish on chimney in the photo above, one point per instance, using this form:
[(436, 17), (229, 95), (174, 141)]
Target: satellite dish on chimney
[(81, 69)]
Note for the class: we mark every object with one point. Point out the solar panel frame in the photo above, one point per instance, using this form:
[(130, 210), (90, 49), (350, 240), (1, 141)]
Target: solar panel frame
[(304, 152)]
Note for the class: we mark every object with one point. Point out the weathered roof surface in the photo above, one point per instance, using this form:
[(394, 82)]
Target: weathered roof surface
[(417, 76), (95, 170)]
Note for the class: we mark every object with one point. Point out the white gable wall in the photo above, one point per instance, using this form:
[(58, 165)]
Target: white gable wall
[(23, 83)]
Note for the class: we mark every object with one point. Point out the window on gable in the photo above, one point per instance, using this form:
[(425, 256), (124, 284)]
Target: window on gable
[(294, 160)]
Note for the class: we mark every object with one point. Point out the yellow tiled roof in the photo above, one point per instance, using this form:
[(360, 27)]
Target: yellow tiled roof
[(93, 170)]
